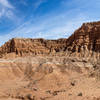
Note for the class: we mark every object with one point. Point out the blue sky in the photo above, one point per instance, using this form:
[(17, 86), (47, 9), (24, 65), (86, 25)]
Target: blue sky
[(50, 19)]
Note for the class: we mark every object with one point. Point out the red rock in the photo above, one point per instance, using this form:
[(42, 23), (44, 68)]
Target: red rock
[(84, 42), (23, 47)]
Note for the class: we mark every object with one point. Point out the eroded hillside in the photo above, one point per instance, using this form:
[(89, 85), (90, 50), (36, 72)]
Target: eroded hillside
[(48, 78), (63, 69), (26, 47), (84, 42)]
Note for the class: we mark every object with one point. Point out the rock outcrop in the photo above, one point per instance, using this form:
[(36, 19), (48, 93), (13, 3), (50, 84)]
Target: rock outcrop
[(23, 47), (52, 77), (84, 42)]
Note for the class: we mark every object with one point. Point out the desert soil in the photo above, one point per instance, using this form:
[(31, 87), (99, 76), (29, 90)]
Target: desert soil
[(48, 78)]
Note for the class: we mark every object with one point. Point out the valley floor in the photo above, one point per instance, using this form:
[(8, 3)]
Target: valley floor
[(48, 78)]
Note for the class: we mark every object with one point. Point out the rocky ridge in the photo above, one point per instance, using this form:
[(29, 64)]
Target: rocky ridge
[(63, 73), (84, 42), (24, 47)]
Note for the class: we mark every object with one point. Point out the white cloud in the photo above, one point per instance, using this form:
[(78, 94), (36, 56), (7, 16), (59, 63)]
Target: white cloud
[(24, 2), (5, 3), (2, 12), (54, 27), (48, 26), (38, 3), (6, 9)]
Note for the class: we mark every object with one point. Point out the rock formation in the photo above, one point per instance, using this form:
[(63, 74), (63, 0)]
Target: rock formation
[(61, 73), (84, 42), (23, 47)]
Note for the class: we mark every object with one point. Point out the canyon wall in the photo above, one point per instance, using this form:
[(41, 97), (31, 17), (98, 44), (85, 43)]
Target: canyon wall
[(85, 41), (23, 47)]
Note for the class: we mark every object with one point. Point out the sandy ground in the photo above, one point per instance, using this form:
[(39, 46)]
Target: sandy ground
[(41, 78)]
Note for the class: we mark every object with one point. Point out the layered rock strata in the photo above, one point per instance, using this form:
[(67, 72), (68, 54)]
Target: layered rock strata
[(23, 47), (84, 42)]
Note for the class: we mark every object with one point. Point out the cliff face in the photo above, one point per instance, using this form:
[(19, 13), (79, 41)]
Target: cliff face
[(85, 40), (23, 47)]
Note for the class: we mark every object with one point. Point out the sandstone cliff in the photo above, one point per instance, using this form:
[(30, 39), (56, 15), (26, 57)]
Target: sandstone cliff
[(23, 47), (52, 77), (85, 42)]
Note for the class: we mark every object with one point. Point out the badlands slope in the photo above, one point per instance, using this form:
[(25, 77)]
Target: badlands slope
[(48, 78)]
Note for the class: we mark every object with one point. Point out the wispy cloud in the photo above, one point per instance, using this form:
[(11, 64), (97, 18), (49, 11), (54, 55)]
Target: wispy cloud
[(38, 3), (54, 24), (6, 9), (24, 2), (2, 11), (8, 13), (54, 27), (35, 4), (81, 4), (5, 3)]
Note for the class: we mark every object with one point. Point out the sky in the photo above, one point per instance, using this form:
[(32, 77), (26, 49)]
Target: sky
[(49, 19)]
